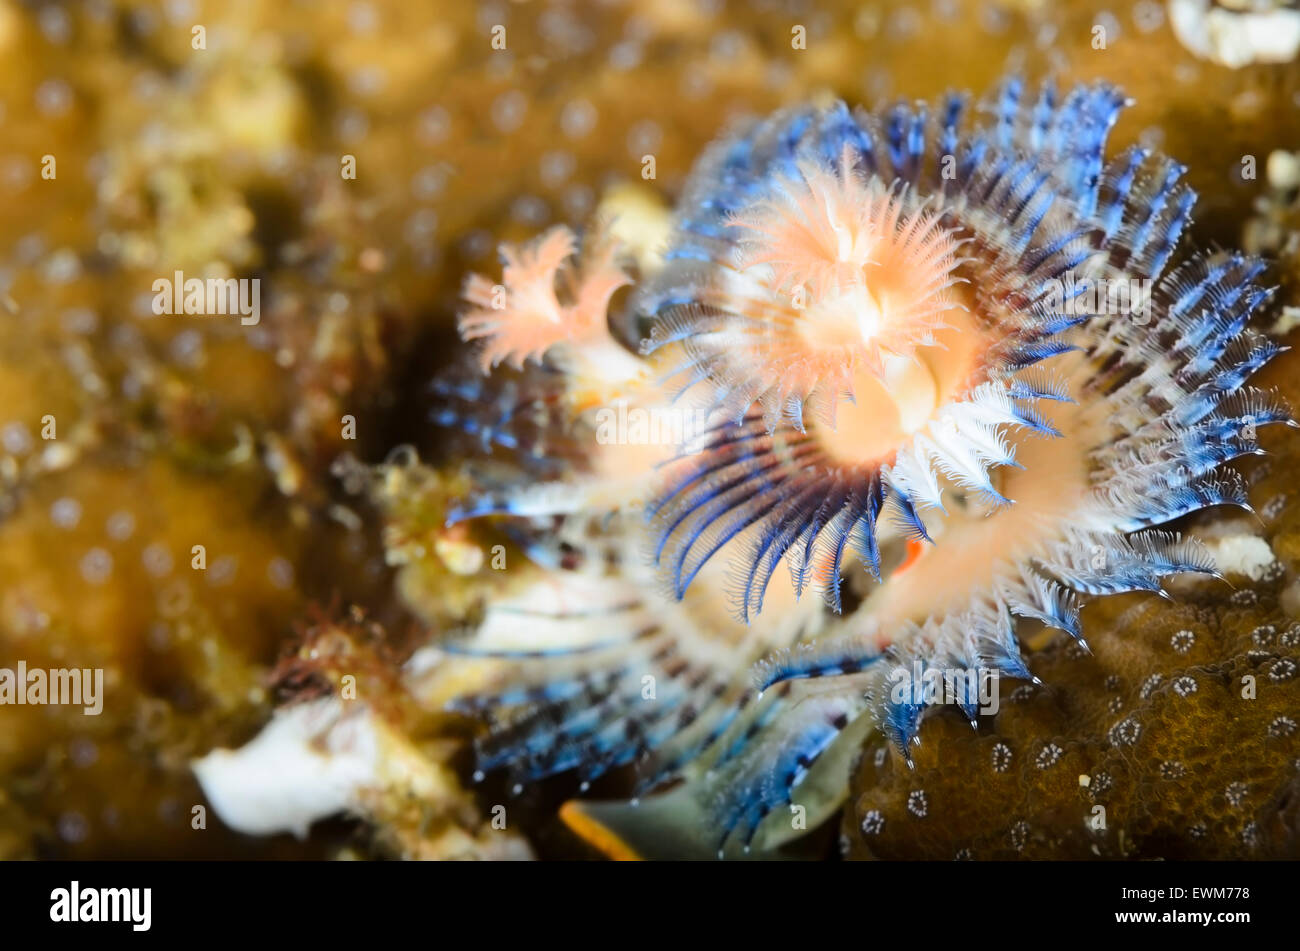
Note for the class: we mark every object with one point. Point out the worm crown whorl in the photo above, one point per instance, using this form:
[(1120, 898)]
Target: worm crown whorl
[(877, 311)]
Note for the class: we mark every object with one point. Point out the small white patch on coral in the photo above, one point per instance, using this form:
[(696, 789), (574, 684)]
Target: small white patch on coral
[(1287, 321), (1236, 39), (1242, 554), (1283, 169), (315, 760), (325, 757), (309, 762)]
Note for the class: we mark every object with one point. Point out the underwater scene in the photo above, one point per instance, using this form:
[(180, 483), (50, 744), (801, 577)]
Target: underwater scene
[(649, 429)]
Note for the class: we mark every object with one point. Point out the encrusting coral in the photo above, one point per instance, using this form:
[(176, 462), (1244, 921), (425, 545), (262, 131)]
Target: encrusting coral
[(1110, 756)]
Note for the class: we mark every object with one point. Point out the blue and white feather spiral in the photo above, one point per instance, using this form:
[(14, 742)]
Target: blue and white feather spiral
[(916, 393)]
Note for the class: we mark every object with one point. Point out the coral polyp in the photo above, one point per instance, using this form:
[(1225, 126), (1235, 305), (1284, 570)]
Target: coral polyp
[(945, 364)]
